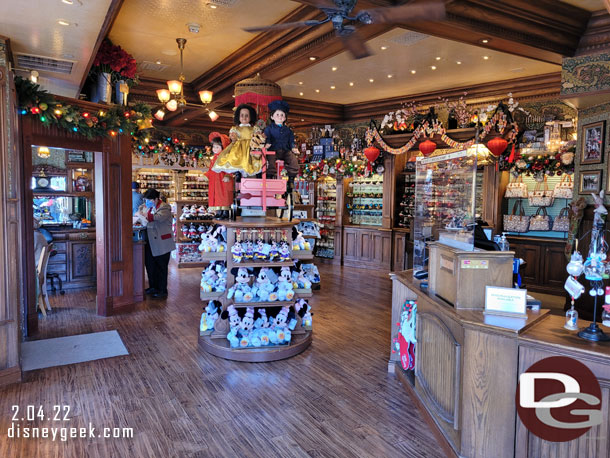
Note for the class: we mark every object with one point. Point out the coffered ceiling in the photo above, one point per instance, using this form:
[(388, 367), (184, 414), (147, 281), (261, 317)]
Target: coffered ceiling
[(407, 63)]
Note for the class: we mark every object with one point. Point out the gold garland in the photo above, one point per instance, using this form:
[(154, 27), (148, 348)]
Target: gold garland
[(372, 134)]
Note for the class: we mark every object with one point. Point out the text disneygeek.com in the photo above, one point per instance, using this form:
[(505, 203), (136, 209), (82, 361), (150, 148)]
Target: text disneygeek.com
[(18, 430)]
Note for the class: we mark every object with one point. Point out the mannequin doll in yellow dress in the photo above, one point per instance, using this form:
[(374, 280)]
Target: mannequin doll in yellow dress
[(237, 157)]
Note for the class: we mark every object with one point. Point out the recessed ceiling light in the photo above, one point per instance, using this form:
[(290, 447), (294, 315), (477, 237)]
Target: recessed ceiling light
[(186, 119), (300, 83), (371, 80), (332, 87), (68, 2), (302, 120), (351, 83), (334, 69), (158, 62), (459, 62), (389, 76), (383, 48), (68, 56), (301, 94), (413, 72), (312, 58), (62, 22), (486, 57), (484, 40), (437, 58), (317, 90), (433, 67), (211, 5)]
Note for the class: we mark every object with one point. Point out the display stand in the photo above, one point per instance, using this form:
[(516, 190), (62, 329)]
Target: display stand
[(188, 254), (215, 342)]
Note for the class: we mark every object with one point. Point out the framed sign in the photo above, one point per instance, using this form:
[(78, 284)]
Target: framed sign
[(592, 146), (510, 302), (590, 181)]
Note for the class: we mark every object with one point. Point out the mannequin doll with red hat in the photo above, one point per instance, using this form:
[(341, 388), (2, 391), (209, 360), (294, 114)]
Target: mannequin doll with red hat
[(237, 157), (220, 184), (280, 139)]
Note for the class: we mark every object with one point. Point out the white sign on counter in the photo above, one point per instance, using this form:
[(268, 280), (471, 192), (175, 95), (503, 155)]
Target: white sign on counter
[(505, 301)]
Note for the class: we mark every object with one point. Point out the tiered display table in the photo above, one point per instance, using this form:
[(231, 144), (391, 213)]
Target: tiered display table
[(215, 342)]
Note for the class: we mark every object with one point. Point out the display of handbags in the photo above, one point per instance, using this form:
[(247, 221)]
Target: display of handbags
[(541, 196), (562, 221), (516, 189), (541, 221), (517, 222), (565, 188)]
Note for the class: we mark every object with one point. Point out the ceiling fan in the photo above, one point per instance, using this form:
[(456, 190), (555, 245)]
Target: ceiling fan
[(338, 12)]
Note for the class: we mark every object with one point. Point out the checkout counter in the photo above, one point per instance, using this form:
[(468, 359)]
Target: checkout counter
[(467, 365)]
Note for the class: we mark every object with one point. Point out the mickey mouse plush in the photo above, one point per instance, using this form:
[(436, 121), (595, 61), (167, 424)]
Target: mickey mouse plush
[(209, 316), (241, 290), (285, 289), (265, 285)]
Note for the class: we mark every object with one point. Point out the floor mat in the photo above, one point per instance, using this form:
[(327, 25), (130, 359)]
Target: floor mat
[(60, 351)]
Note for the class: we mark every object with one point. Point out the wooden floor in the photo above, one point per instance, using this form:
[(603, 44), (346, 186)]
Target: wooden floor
[(334, 400)]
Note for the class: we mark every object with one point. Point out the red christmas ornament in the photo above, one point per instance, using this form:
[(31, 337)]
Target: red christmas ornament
[(497, 146), (371, 153), (427, 147)]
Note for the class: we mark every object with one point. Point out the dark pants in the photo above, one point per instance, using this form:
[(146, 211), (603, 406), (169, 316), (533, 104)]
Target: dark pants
[(291, 163), (156, 268)]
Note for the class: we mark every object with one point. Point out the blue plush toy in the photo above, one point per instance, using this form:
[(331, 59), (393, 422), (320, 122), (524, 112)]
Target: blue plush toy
[(285, 288), (232, 338), (241, 290), (265, 285), (209, 316)]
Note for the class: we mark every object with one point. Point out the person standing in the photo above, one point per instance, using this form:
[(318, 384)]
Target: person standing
[(136, 197), (157, 216)]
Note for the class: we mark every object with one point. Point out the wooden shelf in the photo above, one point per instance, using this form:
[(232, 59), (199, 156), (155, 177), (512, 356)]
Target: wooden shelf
[(63, 194), (261, 304), (304, 293), (80, 165), (289, 263), (302, 254), (204, 221), (214, 295), (222, 348)]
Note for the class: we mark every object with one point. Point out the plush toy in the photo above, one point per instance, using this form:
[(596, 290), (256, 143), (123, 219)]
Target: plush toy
[(265, 285), (209, 316), (247, 322), (221, 282), (241, 290), (303, 309), (260, 254), (186, 213), (237, 252), (309, 228), (299, 277), (281, 318), (285, 288), (209, 278), (312, 274), (284, 251), (233, 316), (248, 250), (193, 233), (232, 338), (273, 251), (262, 322), (298, 242)]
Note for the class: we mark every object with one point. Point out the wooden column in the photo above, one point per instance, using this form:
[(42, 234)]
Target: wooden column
[(114, 226), (11, 230)]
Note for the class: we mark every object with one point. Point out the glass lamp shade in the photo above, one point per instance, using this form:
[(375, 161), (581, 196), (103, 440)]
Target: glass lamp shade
[(174, 86), (44, 152), (481, 152), (164, 95), (205, 96), (213, 115), (160, 114), (172, 105)]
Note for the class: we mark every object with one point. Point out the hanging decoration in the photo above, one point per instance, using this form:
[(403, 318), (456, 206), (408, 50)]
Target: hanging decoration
[(427, 147), (499, 121), (105, 122), (538, 165), (497, 146)]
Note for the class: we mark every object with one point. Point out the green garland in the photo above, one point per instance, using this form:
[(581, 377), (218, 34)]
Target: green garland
[(112, 121)]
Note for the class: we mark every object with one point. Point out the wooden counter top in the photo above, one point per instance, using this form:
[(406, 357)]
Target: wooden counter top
[(473, 318), (254, 222), (68, 230)]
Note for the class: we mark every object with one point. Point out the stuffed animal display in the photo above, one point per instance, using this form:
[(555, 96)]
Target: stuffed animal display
[(241, 290), (300, 278), (213, 240), (309, 228), (298, 241), (214, 278), (261, 250), (270, 284), (209, 316)]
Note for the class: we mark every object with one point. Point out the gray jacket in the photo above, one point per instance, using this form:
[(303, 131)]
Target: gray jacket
[(159, 230)]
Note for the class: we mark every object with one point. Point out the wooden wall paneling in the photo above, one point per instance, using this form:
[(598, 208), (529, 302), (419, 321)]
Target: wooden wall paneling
[(488, 398), (11, 230), (389, 190), (593, 444), (82, 261), (114, 226), (554, 273), (350, 244), (398, 248), (400, 293)]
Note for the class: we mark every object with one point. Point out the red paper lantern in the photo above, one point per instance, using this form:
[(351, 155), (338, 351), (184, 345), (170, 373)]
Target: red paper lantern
[(427, 147), (497, 146), (371, 153)]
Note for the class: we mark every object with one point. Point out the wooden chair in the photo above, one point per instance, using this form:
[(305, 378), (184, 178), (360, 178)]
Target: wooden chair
[(41, 275)]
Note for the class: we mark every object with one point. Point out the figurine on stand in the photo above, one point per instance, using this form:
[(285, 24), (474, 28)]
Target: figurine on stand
[(237, 157), (220, 184), (280, 139)]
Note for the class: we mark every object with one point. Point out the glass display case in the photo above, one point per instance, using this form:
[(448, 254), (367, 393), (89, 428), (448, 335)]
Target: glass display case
[(326, 214), (445, 198), (195, 187), (53, 210), (365, 200), (406, 199)]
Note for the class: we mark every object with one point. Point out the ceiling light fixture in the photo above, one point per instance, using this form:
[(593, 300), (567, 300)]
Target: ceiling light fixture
[(332, 87), (334, 69), (317, 90), (371, 80), (389, 76), (213, 115), (312, 58), (437, 58), (413, 72), (458, 62), (68, 2), (301, 94), (486, 57), (383, 48), (63, 22), (433, 67), (484, 40), (300, 83), (173, 96), (351, 83), (211, 5)]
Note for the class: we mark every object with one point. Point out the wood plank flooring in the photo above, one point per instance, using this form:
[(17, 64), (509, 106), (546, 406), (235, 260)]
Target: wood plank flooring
[(334, 400)]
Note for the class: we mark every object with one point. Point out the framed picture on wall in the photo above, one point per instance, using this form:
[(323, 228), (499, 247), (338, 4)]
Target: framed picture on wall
[(592, 146), (590, 181)]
